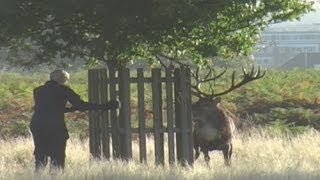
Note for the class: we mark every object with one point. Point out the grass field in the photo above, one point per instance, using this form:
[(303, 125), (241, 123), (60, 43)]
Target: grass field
[(256, 156)]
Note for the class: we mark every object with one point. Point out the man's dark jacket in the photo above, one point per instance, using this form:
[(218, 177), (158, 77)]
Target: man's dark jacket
[(50, 105)]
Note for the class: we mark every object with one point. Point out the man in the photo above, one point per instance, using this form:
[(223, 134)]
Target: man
[(47, 126)]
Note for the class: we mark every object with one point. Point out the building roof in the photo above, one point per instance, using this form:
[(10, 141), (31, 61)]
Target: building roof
[(303, 60), (294, 28)]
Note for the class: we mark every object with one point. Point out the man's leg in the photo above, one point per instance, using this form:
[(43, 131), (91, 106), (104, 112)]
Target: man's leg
[(58, 154), (41, 158)]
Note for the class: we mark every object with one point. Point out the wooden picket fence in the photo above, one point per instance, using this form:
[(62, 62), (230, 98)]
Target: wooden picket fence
[(112, 130)]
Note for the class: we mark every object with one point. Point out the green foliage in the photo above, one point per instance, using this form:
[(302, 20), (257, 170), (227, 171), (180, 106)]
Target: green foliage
[(287, 120), (284, 101), (78, 128), (285, 96), (14, 128), (297, 86), (123, 30), (289, 97), (280, 128), (16, 102)]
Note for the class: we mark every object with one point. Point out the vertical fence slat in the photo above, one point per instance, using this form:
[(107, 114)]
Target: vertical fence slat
[(170, 120), (125, 114), (141, 116), (177, 95), (90, 98), (183, 116), (97, 114), (94, 139), (113, 115), (105, 137), (157, 116), (188, 136)]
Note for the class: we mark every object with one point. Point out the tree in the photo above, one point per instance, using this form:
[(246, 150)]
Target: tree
[(116, 31)]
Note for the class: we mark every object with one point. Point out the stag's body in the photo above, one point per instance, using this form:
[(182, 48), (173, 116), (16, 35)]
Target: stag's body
[(214, 124), (213, 129)]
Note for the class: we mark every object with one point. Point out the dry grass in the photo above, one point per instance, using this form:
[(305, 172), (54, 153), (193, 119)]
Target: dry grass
[(255, 157)]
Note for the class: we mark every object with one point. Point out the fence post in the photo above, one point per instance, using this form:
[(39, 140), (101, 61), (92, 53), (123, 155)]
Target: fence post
[(157, 116), (125, 114), (105, 136), (94, 120), (184, 140), (113, 114), (170, 117), (141, 116)]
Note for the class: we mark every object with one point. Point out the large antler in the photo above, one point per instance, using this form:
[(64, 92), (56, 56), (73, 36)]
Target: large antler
[(210, 76), (247, 77), (199, 79)]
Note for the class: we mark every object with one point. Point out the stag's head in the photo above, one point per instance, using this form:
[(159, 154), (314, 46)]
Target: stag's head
[(203, 108)]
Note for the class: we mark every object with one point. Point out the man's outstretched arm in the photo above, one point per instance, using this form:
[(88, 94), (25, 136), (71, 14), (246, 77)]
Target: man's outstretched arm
[(80, 105)]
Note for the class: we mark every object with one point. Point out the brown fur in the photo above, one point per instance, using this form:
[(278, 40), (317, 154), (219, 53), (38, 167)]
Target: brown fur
[(213, 129)]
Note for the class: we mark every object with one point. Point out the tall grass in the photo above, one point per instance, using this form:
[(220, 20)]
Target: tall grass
[(256, 156)]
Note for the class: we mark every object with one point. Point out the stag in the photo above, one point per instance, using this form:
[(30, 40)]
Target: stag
[(213, 123)]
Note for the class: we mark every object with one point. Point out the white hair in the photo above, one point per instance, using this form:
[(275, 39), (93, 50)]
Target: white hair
[(60, 76)]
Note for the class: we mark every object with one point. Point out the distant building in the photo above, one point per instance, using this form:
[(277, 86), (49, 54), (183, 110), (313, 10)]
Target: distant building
[(281, 44), (310, 60)]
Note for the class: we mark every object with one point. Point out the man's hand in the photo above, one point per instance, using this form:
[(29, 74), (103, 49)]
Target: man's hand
[(70, 109), (113, 104)]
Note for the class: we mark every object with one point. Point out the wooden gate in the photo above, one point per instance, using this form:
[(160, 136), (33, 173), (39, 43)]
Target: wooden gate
[(171, 114)]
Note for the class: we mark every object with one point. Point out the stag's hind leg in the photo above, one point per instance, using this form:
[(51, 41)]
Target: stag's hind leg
[(197, 153), (227, 152), (196, 147), (206, 155)]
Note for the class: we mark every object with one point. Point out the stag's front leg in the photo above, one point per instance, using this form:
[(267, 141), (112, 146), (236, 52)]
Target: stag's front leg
[(227, 152), (197, 154), (196, 147), (206, 156)]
